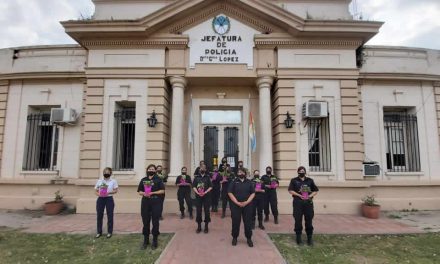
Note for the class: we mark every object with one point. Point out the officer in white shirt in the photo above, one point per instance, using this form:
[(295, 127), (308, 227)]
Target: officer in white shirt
[(105, 189)]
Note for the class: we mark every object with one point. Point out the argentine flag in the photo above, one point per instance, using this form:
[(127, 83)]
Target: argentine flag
[(252, 135)]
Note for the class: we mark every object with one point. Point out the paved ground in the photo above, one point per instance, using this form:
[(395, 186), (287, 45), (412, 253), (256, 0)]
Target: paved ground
[(189, 247)]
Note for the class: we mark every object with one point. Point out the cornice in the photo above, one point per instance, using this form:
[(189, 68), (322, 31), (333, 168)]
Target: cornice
[(127, 43), (41, 75), (400, 76), (308, 43)]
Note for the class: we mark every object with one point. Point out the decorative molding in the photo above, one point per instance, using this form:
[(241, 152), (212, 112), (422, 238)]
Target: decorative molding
[(293, 43), (143, 43), (226, 7)]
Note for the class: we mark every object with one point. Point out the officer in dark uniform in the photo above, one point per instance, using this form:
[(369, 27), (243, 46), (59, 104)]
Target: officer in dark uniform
[(151, 188), (216, 187), (258, 202), (202, 187), (271, 184), (227, 178), (197, 171), (303, 189), (241, 192), (184, 183), (164, 177)]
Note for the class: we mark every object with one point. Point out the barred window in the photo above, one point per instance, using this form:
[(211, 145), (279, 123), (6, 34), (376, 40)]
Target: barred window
[(41, 145), (319, 145), (125, 124), (402, 142)]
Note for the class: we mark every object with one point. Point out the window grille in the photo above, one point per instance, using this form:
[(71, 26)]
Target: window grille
[(41, 145), (402, 142), (125, 124), (319, 145)]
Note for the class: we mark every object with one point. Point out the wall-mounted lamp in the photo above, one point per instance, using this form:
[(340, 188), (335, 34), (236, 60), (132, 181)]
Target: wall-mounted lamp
[(152, 120), (289, 121)]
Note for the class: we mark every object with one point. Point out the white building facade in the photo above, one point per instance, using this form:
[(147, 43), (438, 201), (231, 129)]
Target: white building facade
[(367, 119)]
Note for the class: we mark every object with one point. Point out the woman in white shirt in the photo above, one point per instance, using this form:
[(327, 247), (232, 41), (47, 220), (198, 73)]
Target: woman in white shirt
[(104, 189)]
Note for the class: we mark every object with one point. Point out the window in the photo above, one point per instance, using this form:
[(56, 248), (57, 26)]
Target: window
[(319, 145), (401, 142), (123, 151), (41, 145), (221, 117)]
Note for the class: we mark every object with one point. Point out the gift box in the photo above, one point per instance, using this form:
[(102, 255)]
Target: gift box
[(147, 189), (103, 191), (258, 186), (305, 195), (273, 185), (201, 191)]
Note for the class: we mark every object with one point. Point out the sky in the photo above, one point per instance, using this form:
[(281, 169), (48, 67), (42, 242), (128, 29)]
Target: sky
[(411, 23)]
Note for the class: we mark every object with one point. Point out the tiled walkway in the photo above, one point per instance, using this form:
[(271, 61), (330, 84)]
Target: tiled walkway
[(189, 247)]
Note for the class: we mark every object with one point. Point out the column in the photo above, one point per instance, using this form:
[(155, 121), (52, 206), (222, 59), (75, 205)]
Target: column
[(177, 130), (264, 85)]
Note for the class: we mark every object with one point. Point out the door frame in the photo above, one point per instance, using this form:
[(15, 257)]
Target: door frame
[(200, 104)]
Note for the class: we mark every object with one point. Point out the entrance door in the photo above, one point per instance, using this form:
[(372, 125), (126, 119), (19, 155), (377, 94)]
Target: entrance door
[(221, 136)]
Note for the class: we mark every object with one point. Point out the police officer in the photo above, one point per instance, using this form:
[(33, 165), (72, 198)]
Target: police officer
[(202, 187), (240, 165), (105, 201), (303, 189), (183, 181), (164, 177), (271, 184), (197, 171), (216, 187), (151, 188), (241, 191), (258, 202), (227, 178)]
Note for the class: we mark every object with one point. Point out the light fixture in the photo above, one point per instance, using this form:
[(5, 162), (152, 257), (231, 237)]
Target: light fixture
[(289, 121), (152, 120)]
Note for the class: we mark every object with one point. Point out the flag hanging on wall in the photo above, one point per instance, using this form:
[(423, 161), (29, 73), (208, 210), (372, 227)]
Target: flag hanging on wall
[(252, 135)]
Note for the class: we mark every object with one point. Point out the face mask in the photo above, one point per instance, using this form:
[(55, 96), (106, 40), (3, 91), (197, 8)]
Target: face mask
[(241, 176), (202, 172), (107, 175), (183, 173), (224, 161), (256, 175), (302, 174), (150, 173), (268, 172)]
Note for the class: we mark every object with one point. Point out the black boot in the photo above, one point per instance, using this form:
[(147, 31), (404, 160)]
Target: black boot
[(275, 219), (250, 243), (182, 215), (206, 228), (299, 240), (199, 228), (146, 242), (266, 218), (309, 240), (154, 244), (190, 215), (261, 226), (224, 214)]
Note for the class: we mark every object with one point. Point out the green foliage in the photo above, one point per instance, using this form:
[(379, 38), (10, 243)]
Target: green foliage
[(58, 196), (341, 249), (19, 247), (370, 200)]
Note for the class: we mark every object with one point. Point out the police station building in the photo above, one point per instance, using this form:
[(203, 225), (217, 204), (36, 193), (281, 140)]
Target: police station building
[(175, 82)]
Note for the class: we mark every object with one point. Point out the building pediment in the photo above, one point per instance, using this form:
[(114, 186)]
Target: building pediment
[(180, 16)]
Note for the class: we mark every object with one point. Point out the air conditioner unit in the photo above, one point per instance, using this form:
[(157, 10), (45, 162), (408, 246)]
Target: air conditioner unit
[(315, 109), (371, 169), (63, 115)]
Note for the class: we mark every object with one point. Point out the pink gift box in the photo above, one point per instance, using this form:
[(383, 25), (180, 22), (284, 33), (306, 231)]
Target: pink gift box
[(103, 192), (273, 185), (182, 181), (305, 195), (258, 186), (201, 191), (147, 189)]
